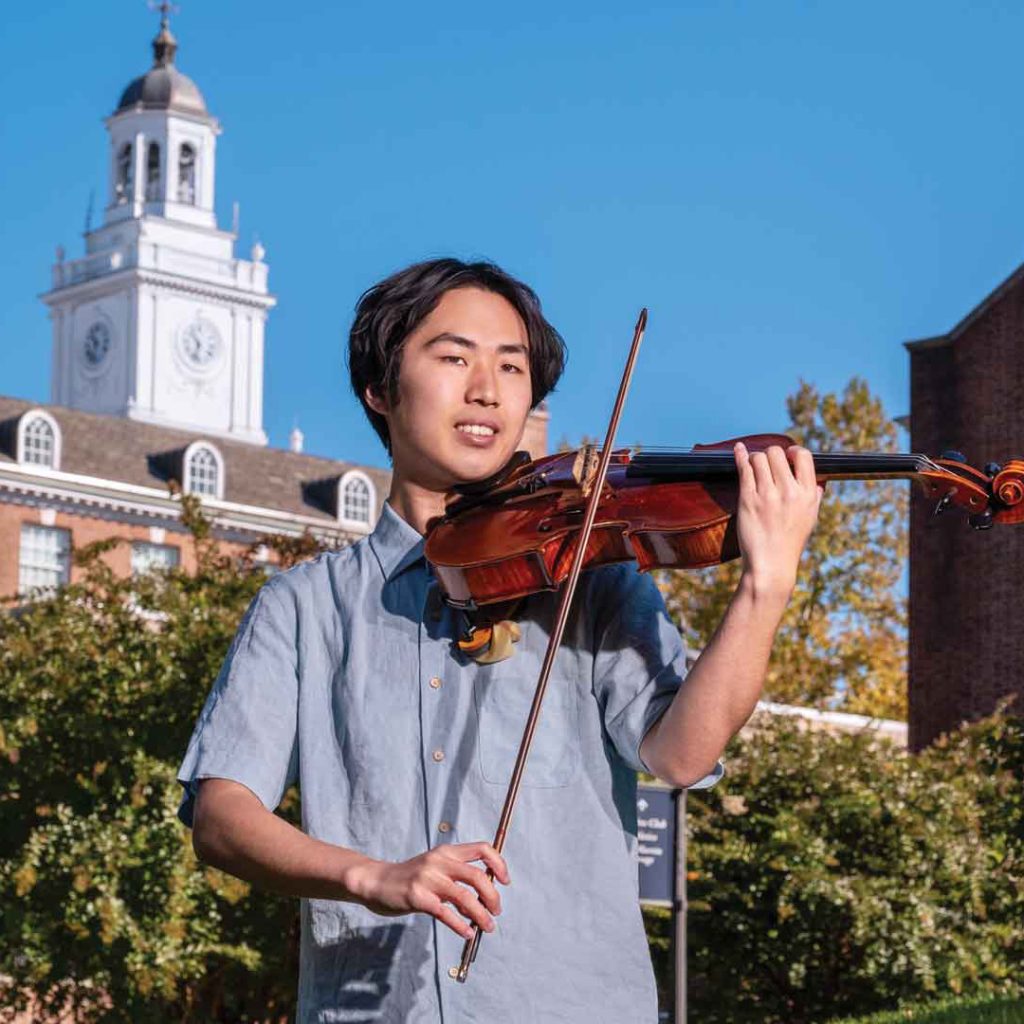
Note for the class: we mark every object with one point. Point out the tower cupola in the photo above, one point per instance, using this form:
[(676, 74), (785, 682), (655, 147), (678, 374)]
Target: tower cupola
[(160, 321), (163, 86)]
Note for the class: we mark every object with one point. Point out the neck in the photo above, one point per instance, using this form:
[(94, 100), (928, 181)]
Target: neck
[(709, 464), (416, 504)]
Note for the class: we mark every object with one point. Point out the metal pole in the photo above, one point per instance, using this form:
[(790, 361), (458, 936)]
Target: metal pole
[(679, 909)]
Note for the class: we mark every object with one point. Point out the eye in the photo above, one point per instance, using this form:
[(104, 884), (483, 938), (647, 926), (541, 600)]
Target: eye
[(513, 367), (453, 359)]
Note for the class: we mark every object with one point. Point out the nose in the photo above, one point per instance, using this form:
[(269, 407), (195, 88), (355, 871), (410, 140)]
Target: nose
[(482, 386)]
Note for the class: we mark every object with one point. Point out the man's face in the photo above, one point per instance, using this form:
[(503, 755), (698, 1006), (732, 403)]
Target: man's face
[(464, 391)]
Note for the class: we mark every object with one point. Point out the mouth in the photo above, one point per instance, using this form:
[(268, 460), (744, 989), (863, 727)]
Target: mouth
[(477, 432)]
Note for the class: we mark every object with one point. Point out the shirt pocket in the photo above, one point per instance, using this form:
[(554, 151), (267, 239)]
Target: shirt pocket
[(503, 702)]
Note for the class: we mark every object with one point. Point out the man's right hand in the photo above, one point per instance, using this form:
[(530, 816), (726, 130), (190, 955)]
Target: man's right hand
[(233, 831), (436, 883)]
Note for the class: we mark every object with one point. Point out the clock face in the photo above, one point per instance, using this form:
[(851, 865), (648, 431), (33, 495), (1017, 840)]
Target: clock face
[(199, 344), (96, 344)]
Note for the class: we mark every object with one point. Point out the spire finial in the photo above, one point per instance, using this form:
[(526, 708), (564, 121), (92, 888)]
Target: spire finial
[(164, 45)]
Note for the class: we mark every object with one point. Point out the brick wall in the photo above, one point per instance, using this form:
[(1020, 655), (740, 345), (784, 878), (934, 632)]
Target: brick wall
[(966, 616), (86, 530)]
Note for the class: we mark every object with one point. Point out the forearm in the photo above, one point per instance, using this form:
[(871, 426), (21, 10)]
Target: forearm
[(722, 689), (234, 832)]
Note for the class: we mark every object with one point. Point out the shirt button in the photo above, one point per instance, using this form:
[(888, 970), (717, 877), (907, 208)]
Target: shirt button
[(435, 683), (438, 755), (453, 972), (444, 826)]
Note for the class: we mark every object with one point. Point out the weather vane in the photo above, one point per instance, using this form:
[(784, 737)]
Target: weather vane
[(164, 8)]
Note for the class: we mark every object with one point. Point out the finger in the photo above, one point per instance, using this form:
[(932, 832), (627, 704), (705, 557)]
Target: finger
[(743, 468), (465, 899), (762, 472), (478, 879), (782, 472), (485, 852), (447, 915), (803, 465)]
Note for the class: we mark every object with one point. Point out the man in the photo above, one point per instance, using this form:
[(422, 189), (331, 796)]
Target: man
[(345, 677)]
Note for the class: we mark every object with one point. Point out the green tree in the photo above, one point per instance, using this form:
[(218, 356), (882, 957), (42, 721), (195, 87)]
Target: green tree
[(106, 909), (842, 642), (837, 874)]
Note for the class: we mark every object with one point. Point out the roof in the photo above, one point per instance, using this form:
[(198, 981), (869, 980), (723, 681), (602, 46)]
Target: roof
[(163, 86), (990, 300), (127, 451)]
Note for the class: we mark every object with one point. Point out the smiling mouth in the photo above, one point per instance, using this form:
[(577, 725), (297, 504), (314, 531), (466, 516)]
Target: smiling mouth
[(476, 429)]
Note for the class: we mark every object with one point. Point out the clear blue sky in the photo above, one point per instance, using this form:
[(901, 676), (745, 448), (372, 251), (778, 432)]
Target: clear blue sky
[(793, 189)]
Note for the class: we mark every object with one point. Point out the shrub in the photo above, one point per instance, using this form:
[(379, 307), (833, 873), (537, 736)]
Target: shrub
[(106, 909), (839, 874)]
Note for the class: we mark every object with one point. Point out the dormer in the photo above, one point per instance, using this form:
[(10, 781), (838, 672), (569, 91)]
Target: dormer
[(37, 439)]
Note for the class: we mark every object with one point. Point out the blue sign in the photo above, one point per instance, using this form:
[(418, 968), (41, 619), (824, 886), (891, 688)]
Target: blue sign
[(656, 840)]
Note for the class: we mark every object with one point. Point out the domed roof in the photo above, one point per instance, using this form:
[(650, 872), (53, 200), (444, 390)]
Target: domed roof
[(163, 86)]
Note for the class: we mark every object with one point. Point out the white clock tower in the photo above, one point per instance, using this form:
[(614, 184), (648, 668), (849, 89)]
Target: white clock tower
[(159, 321)]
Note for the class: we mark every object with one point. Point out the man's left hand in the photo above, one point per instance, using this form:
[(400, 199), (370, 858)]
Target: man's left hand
[(779, 499)]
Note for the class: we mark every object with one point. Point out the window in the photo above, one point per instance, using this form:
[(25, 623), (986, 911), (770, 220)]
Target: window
[(355, 498), (123, 182), (203, 471), (153, 171), (39, 439), (44, 561), (147, 557), (186, 174)]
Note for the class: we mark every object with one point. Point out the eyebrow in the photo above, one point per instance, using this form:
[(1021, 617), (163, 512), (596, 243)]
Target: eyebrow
[(458, 339)]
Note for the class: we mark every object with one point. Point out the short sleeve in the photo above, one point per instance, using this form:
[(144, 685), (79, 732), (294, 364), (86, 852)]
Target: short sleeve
[(247, 730), (639, 661)]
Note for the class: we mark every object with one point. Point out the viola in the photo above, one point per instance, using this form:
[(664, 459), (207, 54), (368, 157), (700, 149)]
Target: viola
[(517, 533)]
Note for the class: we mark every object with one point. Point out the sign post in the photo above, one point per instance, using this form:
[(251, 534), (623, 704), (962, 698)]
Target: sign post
[(679, 908), (661, 852)]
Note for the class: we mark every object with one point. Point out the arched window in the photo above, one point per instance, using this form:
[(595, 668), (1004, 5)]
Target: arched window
[(355, 498), (153, 171), (186, 174), (204, 471), (123, 184), (39, 440)]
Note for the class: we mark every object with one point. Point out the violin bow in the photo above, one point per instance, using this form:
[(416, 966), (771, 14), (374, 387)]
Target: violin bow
[(469, 951)]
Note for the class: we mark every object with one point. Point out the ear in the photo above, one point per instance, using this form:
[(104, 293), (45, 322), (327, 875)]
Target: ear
[(374, 400)]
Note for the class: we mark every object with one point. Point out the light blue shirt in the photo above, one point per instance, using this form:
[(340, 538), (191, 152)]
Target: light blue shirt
[(344, 677)]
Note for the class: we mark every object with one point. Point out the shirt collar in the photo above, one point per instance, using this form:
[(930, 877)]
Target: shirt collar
[(395, 543)]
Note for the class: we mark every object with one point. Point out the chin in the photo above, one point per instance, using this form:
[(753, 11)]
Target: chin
[(468, 470)]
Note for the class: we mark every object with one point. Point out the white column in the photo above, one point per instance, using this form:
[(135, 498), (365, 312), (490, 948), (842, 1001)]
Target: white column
[(256, 383), (57, 359), (141, 351), (239, 358), (205, 172), (131, 327), (250, 341), (70, 319), (139, 184)]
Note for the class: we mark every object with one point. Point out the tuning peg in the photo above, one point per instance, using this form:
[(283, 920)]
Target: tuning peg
[(991, 468), (953, 456), (943, 503), (982, 520)]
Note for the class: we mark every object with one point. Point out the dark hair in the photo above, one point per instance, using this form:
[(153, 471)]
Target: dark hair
[(390, 311)]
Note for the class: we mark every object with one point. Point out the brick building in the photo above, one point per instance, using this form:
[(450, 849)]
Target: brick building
[(157, 373), (966, 619)]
